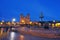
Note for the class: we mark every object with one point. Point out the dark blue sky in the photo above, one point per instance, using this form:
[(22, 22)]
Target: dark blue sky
[(12, 8)]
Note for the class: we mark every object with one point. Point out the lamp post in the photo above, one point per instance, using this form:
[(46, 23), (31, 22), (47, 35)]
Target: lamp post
[(13, 21), (54, 22)]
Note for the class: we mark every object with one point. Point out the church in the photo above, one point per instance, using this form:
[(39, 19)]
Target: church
[(24, 19)]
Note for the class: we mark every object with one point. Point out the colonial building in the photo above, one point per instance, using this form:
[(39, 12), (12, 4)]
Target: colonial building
[(24, 19), (50, 23)]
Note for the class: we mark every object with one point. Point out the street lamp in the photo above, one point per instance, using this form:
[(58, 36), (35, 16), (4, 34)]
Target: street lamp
[(1, 23), (54, 22), (13, 20), (2, 20)]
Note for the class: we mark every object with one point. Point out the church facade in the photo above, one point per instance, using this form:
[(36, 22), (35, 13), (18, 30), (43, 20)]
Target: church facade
[(24, 19)]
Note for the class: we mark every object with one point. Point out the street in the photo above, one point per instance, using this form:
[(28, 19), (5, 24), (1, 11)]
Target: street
[(19, 36)]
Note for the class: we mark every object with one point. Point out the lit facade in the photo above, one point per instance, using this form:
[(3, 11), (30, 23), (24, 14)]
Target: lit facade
[(50, 24), (25, 19)]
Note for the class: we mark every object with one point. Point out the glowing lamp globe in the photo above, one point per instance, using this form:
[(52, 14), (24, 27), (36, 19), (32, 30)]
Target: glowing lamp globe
[(13, 19)]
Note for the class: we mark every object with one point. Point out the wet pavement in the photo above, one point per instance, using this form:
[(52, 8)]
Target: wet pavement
[(18, 36)]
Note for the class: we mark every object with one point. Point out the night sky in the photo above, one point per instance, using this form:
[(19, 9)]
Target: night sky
[(12, 8)]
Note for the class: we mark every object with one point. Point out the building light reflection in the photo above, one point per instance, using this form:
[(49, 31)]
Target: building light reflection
[(21, 37), (23, 28), (12, 36), (1, 31)]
